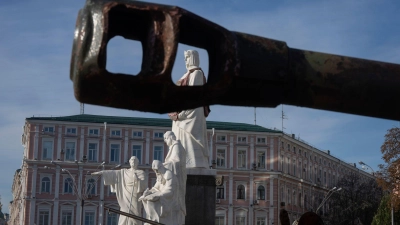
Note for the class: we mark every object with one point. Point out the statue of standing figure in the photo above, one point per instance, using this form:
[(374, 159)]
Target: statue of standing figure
[(128, 184), (165, 202), (189, 126)]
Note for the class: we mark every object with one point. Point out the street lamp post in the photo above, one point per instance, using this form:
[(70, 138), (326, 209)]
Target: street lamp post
[(328, 195), (373, 174), (84, 192)]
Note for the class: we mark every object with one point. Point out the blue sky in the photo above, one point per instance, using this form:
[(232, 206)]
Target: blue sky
[(36, 40)]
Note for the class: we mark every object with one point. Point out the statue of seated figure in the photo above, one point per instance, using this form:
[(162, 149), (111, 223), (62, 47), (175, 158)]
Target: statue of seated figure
[(162, 200)]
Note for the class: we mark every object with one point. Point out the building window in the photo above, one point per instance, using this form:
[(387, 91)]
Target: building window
[(47, 150), (71, 131), (261, 221), (221, 138), (294, 150), (114, 153), (288, 147), (158, 135), (66, 218), (91, 187), (48, 129), (261, 140), (137, 134), (299, 201), (288, 196), (294, 167), (45, 186), (261, 193), (44, 217), (242, 139), (69, 151), (92, 152), (89, 218), (68, 184), (112, 219), (137, 151), (240, 220), (220, 157), (240, 192), (261, 160), (242, 159), (288, 165), (220, 192), (220, 220), (294, 198), (300, 170), (94, 132), (299, 151), (116, 133), (158, 153)]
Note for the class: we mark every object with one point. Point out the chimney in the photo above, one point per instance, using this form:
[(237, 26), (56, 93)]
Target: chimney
[(293, 136)]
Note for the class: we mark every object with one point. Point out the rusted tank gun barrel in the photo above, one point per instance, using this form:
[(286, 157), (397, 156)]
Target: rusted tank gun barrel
[(244, 70)]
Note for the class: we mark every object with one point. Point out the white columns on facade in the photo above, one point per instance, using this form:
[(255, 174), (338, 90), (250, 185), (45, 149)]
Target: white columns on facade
[(78, 202), (126, 155), (82, 144), (36, 144), (271, 155), (251, 212), (230, 211), (56, 195), (147, 158), (252, 160), (103, 148), (59, 147), (272, 203), (32, 210), (230, 152), (101, 205)]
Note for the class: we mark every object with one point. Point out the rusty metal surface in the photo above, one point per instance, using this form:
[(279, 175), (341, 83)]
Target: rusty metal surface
[(244, 70)]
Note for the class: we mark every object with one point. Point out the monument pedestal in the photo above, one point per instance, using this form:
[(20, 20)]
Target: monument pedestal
[(200, 196)]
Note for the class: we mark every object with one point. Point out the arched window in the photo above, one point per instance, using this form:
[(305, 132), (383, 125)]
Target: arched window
[(68, 184), (306, 203), (91, 187), (240, 192), (45, 187), (261, 193), (299, 201)]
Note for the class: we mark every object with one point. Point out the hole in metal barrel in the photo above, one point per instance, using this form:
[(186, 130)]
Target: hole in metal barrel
[(124, 56)]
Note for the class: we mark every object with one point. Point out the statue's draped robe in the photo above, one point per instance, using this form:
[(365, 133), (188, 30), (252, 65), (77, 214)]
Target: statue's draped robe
[(190, 129), (161, 210), (128, 186), (175, 161)]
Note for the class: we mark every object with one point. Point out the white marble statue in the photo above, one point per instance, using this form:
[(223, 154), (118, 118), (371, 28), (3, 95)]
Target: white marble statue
[(128, 184), (189, 126), (160, 201), (176, 163)]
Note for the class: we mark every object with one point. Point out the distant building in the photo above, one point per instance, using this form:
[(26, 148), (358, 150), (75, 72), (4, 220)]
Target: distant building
[(261, 169)]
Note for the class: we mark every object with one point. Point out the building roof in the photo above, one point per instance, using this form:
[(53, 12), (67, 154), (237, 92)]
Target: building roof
[(152, 122)]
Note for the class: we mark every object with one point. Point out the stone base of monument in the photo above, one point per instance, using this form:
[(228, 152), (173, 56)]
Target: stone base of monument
[(200, 196)]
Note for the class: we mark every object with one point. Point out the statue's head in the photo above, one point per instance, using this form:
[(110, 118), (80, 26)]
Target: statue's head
[(192, 59), (169, 137), (158, 167), (134, 162)]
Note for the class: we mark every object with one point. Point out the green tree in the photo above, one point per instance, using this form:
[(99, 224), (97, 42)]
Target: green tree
[(383, 215)]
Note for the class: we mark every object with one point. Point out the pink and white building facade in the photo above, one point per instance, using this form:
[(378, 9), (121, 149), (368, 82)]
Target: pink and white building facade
[(261, 168)]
